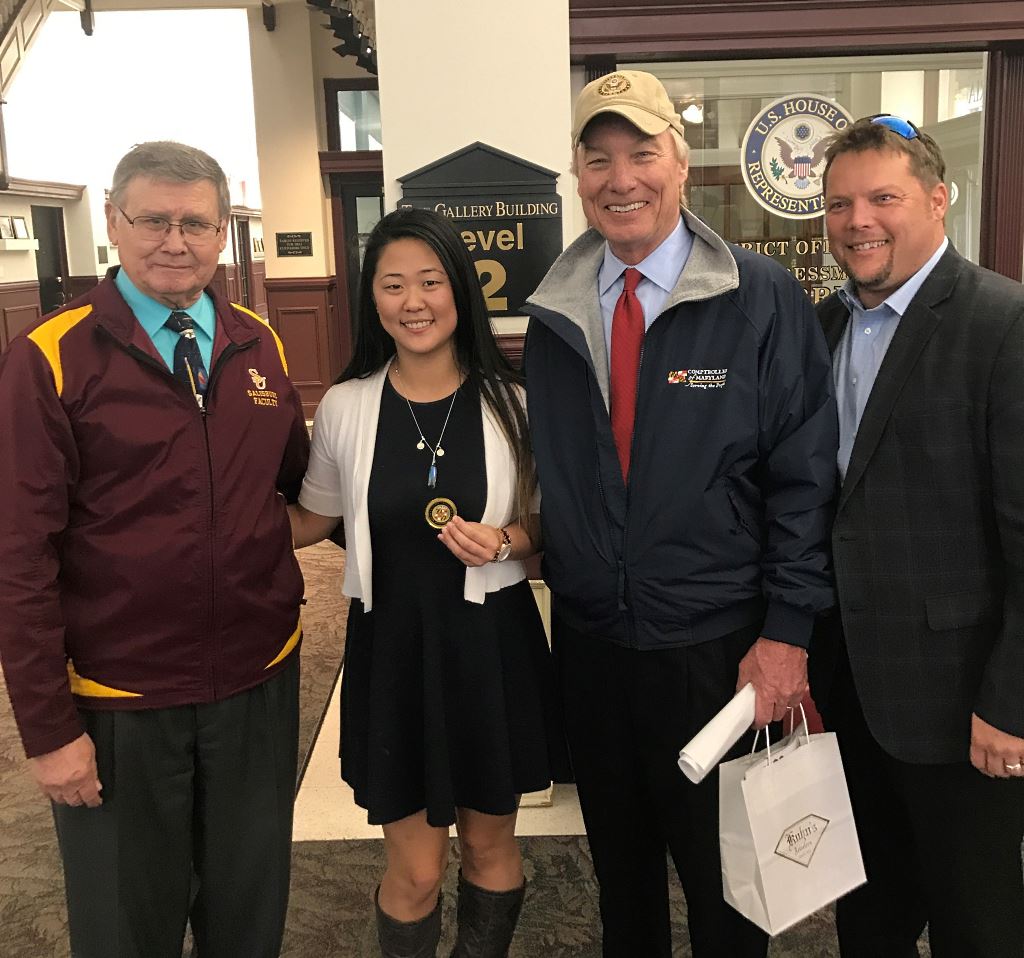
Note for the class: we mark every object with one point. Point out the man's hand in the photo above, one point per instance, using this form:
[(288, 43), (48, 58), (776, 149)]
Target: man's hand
[(995, 753), (68, 776), (778, 672)]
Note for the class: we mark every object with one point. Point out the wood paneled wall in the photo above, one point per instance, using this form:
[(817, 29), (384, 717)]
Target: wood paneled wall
[(76, 286), (302, 313), (1002, 199), (19, 308), (511, 344), (258, 288), (225, 281)]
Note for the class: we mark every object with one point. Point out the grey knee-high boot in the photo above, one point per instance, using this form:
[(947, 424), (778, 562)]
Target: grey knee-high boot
[(487, 920), (408, 939)]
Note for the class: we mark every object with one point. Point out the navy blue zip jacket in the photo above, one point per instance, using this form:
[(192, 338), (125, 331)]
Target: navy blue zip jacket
[(725, 519)]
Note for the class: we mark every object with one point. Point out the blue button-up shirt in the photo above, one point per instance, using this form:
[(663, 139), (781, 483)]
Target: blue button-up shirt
[(661, 271), (152, 316), (862, 347)]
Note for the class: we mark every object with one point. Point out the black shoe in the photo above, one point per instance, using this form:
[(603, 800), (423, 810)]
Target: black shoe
[(408, 939), (487, 920)]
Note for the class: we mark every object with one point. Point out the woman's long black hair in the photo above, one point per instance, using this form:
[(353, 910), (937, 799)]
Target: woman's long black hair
[(476, 351)]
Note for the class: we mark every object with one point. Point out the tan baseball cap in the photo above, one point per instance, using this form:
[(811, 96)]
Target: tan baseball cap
[(639, 97)]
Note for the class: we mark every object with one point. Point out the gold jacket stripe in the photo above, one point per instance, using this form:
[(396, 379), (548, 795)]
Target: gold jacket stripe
[(48, 336)]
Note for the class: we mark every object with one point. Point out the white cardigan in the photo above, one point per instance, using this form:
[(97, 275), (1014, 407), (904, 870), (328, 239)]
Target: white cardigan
[(338, 478)]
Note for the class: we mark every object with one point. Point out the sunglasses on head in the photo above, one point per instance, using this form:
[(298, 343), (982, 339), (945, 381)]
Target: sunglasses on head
[(901, 127)]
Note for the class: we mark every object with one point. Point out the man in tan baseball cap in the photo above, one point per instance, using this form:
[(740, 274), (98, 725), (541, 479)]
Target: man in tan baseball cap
[(684, 430)]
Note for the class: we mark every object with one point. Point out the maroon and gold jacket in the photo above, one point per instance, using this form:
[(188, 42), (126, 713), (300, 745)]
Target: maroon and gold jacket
[(145, 550)]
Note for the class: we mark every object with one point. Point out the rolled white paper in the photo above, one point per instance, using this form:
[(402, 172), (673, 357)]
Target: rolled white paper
[(705, 750)]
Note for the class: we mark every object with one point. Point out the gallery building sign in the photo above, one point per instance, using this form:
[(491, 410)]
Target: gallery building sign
[(507, 212), (783, 153)]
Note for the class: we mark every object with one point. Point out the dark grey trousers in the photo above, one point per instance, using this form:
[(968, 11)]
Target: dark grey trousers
[(195, 825), (941, 845), (627, 714)]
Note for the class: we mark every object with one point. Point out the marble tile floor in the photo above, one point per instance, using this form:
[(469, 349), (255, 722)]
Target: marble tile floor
[(338, 859)]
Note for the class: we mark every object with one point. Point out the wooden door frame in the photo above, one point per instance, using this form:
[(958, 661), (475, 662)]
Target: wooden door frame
[(343, 168), (343, 313), (243, 258), (62, 248), (332, 87), (740, 29)]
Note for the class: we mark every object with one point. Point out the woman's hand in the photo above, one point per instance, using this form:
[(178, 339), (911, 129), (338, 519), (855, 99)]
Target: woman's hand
[(472, 543), (475, 544)]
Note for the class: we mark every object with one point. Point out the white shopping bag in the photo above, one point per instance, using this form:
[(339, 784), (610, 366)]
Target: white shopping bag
[(788, 839)]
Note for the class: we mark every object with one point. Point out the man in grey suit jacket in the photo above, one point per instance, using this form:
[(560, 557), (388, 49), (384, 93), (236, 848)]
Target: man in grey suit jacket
[(921, 669)]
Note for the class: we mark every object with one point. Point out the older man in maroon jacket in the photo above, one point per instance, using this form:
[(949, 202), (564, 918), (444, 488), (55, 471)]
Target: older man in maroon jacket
[(149, 598)]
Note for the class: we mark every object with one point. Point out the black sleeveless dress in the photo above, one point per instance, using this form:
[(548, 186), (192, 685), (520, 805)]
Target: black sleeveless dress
[(445, 703)]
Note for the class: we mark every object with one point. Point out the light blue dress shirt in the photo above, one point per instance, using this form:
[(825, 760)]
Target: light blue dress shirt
[(862, 347), (661, 271), (152, 316)]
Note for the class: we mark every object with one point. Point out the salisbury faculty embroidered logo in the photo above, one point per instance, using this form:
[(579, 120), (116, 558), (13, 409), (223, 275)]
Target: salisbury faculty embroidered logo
[(783, 154), (260, 396)]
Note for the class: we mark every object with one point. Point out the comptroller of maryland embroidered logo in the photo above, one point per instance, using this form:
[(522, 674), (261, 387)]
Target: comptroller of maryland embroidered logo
[(784, 153)]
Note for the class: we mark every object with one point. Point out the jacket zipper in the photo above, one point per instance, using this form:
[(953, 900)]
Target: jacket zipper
[(620, 565), (630, 624), (621, 561), (228, 351), (204, 412)]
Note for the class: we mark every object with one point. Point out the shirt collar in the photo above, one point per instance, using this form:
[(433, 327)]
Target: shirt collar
[(662, 266), (900, 300), (152, 315)]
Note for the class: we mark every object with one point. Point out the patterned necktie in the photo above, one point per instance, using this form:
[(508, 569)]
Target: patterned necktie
[(627, 343), (188, 361)]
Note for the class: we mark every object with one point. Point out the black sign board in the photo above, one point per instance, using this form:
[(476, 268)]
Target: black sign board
[(506, 210), (294, 244)]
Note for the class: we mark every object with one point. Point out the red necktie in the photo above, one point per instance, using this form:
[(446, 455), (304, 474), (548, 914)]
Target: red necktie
[(627, 342)]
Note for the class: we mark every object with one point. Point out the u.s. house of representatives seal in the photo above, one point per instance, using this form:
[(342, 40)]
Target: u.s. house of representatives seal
[(784, 153)]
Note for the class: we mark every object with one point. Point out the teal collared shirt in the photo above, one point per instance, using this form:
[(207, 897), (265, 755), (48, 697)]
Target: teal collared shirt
[(152, 316)]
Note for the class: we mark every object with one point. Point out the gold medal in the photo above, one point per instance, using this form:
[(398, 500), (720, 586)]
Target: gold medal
[(439, 513)]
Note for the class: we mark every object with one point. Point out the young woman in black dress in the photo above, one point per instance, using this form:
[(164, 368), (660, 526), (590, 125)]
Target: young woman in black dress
[(421, 450)]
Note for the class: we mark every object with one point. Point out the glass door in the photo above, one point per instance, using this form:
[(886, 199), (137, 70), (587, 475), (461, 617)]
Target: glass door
[(757, 130), (362, 208), (357, 201)]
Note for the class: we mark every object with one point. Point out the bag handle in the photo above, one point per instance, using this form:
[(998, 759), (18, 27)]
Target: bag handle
[(792, 727), (803, 719)]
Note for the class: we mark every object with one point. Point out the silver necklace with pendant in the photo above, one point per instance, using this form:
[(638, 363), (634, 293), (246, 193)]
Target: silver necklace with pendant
[(437, 449)]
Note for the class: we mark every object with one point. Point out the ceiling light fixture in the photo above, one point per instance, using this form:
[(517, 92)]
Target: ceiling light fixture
[(694, 113)]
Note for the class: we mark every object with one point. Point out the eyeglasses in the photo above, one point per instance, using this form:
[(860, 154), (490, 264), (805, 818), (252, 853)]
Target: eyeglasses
[(901, 127), (157, 227)]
